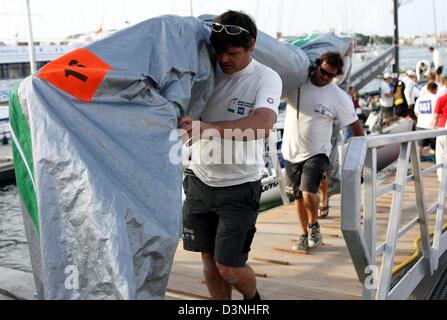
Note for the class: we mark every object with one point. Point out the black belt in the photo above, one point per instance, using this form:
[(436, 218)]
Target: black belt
[(189, 172)]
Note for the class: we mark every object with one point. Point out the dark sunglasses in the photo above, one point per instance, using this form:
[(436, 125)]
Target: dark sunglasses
[(229, 29), (326, 73)]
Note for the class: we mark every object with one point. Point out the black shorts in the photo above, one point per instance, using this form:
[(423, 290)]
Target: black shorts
[(401, 110), (426, 142), (220, 220), (305, 175), (387, 112)]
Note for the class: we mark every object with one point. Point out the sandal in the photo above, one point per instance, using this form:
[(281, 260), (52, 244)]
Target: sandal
[(323, 212)]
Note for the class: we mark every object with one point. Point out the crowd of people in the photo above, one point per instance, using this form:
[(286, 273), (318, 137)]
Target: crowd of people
[(408, 98)]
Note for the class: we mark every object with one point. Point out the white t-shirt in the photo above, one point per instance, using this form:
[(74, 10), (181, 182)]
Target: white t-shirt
[(422, 71), (385, 101), (424, 91), (310, 133), (424, 109), (411, 92), (223, 162), (437, 59), (442, 90)]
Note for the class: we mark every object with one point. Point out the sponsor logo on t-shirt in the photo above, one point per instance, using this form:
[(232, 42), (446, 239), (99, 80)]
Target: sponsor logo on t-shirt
[(270, 100), (321, 109), (231, 105), (239, 105)]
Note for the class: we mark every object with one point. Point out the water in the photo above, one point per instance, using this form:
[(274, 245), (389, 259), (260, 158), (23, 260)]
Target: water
[(13, 248)]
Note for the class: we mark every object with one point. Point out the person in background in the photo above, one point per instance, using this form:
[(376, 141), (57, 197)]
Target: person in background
[(386, 98), (422, 69), (374, 121), (373, 103), (425, 113), (307, 141), (400, 104), (442, 89), (222, 195), (330, 182), (431, 78), (439, 121), (346, 130), (440, 113), (438, 62), (411, 92)]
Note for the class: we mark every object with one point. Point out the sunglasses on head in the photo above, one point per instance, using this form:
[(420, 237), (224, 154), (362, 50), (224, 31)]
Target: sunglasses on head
[(327, 73), (229, 29)]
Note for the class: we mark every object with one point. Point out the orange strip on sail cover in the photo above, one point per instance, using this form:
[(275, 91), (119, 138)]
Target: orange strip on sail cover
[(79, 73)]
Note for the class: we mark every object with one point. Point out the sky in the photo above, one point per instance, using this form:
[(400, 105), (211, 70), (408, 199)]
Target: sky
[(56, 19)]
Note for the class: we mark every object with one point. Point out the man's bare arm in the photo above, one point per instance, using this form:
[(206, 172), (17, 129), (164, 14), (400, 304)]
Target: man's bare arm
[(261, 122), (357, 128)]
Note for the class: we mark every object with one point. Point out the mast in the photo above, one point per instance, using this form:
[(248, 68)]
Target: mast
[(279, 20), (434, 20), (396, 37), (32, 57)]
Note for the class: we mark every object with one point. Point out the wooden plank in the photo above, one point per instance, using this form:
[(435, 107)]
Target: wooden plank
[(326, 272), (291, 288)]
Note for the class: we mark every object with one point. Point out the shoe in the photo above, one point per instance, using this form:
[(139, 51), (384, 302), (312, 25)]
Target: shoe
[(258, 296), (428, 159), (323, 212), (302, 244), (314, 235)]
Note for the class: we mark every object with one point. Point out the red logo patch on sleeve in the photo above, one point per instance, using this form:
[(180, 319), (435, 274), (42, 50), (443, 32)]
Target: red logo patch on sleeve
[(79, 73)]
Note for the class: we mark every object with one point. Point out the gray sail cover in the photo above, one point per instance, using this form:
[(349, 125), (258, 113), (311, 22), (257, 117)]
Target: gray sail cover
[(92, 145)]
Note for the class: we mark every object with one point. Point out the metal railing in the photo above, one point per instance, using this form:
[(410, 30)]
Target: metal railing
[(274, 167), (361, 241)]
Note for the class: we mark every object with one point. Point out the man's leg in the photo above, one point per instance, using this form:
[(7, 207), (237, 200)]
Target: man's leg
[(302, 215), (293, 175), (199, 233), (235, 233), (311, 206), (243, 279), (441, 144), (324, 200), (313, 171), (218, 287)]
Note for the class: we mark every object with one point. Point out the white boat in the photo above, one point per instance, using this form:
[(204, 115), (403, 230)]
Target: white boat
[(4, 121), (14, 60), (14, 64)]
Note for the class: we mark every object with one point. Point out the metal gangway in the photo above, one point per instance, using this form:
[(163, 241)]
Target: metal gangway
[(374, 260), (361, 77)]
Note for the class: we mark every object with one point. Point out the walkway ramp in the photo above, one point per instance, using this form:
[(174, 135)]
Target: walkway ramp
[(326, 273)]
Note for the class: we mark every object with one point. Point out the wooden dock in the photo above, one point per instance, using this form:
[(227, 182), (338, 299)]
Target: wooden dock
[(325, 273)]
